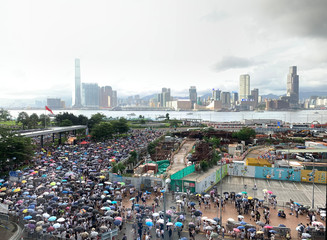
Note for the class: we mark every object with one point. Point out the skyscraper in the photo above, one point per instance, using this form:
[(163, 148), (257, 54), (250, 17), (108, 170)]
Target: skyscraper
[(78, 99), (91, 95), (105, 94), (293, 87), (255, 96), (193, 95), (244, 87), (216, 94)]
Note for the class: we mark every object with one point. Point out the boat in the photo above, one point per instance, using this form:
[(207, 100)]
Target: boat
[(131, 114), (189, 113)]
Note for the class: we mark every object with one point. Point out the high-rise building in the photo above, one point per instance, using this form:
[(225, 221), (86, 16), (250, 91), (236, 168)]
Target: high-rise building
[(114, 99), (216, 94), (105, 94), (54, 103), (244, 87), (234, 97), (78, 99), (193, 95), (293, 87), (225, 99), (164, 97), (91, 95), (255, 96)]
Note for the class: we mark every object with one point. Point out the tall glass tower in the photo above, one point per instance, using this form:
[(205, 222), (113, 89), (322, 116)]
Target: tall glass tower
[(244, 87), (78, 101), (293, 86)]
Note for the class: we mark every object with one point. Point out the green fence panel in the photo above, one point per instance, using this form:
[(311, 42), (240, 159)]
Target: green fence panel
[(184, 172)]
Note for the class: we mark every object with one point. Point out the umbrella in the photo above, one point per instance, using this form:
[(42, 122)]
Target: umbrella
[(216, 219), (184, 238), (317, 223), (56, 225), (240, 227), (192, 203), (150, 224), (236, 230), (281, 225), (79, 228), (28, 217), (273, 196), (272, 231), (60, 220), (264, 190), (169, 224), (306, 235), (214, 235), (230, 220), (251, 230), (260, 223), (204, 218), (117, 222), (243, 223), (52, 218), (240, 216), (160, 220), (260, 232), (270, 192), (38, 229), (244, 192), (208, 228), (50, 229), (178, 224), (119, 218), (268, 227), (155, 214)]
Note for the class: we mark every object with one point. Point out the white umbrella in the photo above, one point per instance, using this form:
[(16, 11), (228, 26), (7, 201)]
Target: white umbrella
[(230, 219), (169, 224), (204, 218), (207, 196), (160, 220), (45, 215), (61, 220), (56, 225), (240, 216), (208, 228), (179, 201), (93, 234), (155, 214)]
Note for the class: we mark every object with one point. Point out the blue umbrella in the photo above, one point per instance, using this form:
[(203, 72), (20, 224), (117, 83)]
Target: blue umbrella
[(44, 175), (192, 203), (28, 217), (150, 224), (117, 222), (26, 193), (184, 238), (281, 225), (178, 224), (216, 219), (52, 218), (64, 180), (132, 199), (243, 223), (297, 203), (112, 207), (252, 230), (240, 227), (272, 231), (245, 199), (114, 202), (238, 195), (64, 192)]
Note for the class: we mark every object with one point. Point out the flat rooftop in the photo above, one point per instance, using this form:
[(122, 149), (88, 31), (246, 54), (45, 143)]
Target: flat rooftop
[(198, 177)]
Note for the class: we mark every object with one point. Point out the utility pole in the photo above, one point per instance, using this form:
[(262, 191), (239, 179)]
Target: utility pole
[(165, 217), (221, 192)]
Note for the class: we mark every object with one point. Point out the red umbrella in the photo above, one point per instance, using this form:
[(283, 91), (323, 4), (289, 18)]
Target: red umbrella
[(236, 230), (84, 142), (50, 229)]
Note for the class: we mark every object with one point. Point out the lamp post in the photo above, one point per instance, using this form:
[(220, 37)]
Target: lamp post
[(221, 192)]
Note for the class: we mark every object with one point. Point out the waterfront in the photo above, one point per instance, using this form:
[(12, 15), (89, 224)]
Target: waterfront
[(301, 116)]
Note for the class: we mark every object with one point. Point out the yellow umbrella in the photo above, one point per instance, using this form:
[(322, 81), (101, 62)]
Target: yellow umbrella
[(250, 198), (260, 232), (24, 181), (264, 190), (17, 189), (198, 195), (3, 189), (102, 177), (25, 211), (53, 184)]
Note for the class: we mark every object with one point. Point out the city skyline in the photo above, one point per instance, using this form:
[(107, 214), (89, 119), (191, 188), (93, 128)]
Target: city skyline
[(149, 45)]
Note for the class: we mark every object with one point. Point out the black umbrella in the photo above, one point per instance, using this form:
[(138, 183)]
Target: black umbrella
[(225, 192), (79, 229)]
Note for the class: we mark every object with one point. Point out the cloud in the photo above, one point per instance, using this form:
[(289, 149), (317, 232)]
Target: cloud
[(295, 17), (214, 16), (231, 62)]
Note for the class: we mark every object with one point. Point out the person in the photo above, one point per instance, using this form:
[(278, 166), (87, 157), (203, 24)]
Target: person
[(242, 235), (124, 237), (223, 231), (288, 236)]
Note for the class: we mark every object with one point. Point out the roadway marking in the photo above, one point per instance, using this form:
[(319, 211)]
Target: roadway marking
[(318, 188), (295, 186), (281, 184), (268, 183)]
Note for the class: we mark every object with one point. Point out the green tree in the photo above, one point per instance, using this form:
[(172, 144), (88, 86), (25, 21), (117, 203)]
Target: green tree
[(66, 123), (34, 121), (120, 126), (95, 119), (214, 141), (173, 123), (204, 165), (23, 118), (102, 131), (167, 116), (244, 134), (14, 150), (44, 118), (4, 115)]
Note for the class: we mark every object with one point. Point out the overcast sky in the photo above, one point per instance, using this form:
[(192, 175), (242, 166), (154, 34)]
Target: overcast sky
[(138, 47)]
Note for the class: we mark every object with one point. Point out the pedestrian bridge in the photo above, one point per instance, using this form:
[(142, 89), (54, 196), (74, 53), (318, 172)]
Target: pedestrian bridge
[(53, 130)]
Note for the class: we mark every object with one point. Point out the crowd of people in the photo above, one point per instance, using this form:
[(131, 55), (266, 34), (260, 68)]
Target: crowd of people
[(66, 191)]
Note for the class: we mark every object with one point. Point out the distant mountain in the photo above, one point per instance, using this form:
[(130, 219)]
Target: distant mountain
[(305, 95)]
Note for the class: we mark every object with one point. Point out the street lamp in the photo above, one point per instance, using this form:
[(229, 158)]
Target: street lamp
[(164, 209)]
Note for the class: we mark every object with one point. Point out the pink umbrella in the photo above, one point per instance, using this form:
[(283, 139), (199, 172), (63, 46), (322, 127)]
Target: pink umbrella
[(119, 218), (236, 230), (269, 227), (270, 192)]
